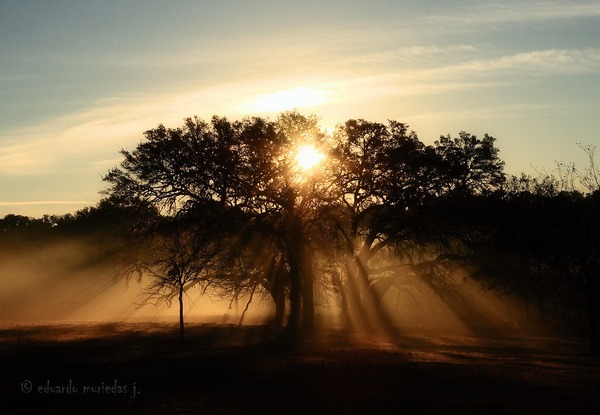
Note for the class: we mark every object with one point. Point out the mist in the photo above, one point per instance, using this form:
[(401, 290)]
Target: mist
[(75, 278), (63, 282)]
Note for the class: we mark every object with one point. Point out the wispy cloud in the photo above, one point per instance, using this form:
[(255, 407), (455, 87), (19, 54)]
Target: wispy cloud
[(552, 61), (414, 56), (93, 136), (460, 73), (96, 134), (494, 111), (466, 60), (518, 12)]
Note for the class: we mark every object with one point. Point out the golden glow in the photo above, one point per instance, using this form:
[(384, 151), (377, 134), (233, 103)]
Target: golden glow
[(289, 99), (308, 157)]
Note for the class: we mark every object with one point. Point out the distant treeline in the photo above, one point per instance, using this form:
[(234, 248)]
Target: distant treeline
[(227, 204)]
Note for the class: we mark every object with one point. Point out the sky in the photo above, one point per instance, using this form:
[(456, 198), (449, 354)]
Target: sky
[(80, 80)]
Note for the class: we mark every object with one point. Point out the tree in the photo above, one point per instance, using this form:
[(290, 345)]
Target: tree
[(177, 253), (383, 173), (11, 222), (395, 193), (531, 210), (471, 165), (374, 194), (255, 261), (580, 235), (245, 166)]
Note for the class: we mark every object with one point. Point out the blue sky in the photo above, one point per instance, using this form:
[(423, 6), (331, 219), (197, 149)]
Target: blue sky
[(79, 80)]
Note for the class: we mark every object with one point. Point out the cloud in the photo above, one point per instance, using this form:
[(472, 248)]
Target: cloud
[(24, 158), (287, 99), (517, 12), (433, 69), (498, 71), (466, 74), (93, 136), (98, 131), (414, 56), (493, 111), (554, 61)]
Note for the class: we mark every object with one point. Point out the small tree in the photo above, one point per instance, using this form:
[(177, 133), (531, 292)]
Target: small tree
[(177, 253)]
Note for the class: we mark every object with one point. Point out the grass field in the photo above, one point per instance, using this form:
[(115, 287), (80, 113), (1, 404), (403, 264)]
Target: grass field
[(142, 368)]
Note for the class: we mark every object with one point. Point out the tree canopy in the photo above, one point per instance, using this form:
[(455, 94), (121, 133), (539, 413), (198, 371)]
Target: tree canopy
[(371, 191), (233, 205)]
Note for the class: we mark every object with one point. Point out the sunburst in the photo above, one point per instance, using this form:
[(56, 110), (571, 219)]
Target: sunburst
[(308, 157)]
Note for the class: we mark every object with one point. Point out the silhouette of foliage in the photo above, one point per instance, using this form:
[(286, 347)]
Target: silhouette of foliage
[(226, 204)]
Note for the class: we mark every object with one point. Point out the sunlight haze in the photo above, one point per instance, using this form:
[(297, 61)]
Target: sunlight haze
[(79, 81)]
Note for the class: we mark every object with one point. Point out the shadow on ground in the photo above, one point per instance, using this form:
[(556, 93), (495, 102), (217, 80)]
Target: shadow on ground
[(143, 369)]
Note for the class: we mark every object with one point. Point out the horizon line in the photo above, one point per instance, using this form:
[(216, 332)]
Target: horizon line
[(45, 202)]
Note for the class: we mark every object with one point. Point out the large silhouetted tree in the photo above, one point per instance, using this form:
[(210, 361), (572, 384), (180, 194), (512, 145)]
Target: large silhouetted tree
[(390, 188), (382, 172), (372, 194), (245, 166)]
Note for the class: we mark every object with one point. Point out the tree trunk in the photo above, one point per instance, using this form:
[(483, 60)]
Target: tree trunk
[(276, 278), (181, 326), (276, 288), (295, 259), (295, 293), (279, 319), (308, 303), (344, 307)]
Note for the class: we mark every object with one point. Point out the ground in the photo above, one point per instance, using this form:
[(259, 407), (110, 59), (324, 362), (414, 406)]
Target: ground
[(143, 369)]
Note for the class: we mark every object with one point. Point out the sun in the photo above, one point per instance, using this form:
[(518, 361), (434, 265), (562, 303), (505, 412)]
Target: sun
[(308, 157)]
